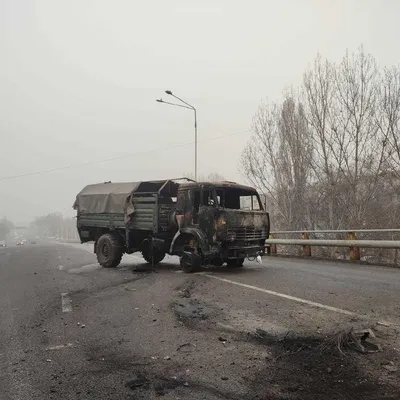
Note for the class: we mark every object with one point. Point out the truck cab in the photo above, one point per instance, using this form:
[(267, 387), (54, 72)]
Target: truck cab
[(218, 222)]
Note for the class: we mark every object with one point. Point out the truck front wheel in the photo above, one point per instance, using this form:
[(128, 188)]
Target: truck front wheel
[(108, 251), (190, 262)]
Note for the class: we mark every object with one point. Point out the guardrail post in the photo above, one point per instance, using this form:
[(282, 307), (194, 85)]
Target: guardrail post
[(272, 247), (354, 251), (306, 249)]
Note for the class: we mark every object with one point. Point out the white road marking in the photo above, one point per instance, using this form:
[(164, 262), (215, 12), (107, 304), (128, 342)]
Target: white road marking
[(84, 268), (286, 296), (59, 346), (66, 302)]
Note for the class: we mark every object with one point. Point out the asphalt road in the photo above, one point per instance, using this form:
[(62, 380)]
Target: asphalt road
[(70, 329)]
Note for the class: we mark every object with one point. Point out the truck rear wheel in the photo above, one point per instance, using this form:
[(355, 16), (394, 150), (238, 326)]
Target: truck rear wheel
[(235, 263), (108, 251), (151, 254), (154, 258)]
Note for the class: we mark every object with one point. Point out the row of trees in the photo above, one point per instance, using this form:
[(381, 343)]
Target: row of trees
[(328, 155), (55, 225), (6, 226)]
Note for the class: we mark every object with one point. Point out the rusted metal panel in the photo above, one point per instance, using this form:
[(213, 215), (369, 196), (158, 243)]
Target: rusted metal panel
[(145, 213), (306, 249), (354, 251)]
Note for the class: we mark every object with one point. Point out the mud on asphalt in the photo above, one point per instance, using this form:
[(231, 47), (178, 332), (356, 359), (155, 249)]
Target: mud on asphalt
[(263, 365), (245, 365), (297, 367)]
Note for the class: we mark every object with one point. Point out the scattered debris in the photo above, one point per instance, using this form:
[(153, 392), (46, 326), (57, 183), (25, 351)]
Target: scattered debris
[(83, 326), (48, 360), (167, 358), (383, 323), (78, 323), (187, 346), (355, 340), (59, 347), (224, 378), (391, 368), (222, 339), (186, 289), (137, 381)]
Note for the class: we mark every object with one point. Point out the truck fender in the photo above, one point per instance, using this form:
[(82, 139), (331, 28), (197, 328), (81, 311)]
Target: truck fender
[(197, 233)]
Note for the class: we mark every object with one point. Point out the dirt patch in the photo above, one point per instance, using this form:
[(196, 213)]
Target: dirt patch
[(193, 313), (143, 268), (314, 368), (147, 378), (186, 288), (144, 385)]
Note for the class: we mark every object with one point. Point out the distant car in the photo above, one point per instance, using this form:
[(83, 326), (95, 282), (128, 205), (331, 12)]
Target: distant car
[(2, 245), (20, 243)]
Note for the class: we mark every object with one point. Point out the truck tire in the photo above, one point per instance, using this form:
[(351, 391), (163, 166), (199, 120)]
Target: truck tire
[(108, 251), (158, 256), (190, 262), (235, 263)]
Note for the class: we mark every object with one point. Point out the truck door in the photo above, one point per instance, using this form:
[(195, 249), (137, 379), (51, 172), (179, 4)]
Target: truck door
[(207, 212), (188, 207)]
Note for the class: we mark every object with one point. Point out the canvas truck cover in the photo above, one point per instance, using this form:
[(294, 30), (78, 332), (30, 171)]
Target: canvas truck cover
[(104, 198)]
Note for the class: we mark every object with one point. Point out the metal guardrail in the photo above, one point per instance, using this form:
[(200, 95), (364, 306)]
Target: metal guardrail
[(372, 244), (351, 242), (338, 231)]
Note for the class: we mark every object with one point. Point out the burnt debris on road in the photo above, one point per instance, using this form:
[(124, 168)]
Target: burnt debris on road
[(89, 332)]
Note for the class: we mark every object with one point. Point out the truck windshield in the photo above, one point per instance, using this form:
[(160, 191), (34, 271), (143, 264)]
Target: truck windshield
[(238, 199)]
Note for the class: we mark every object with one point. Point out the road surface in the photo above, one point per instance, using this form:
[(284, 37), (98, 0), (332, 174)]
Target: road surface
[(70, 329)]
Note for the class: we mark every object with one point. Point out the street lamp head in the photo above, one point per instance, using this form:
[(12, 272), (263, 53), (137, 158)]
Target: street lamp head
[(168, 92), (160, 100)]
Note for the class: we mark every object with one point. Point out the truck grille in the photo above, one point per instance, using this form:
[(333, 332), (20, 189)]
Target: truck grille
[(246, 234)]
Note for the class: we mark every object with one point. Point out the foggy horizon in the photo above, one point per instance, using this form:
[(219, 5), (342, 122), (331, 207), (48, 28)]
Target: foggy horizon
[(80, 82)]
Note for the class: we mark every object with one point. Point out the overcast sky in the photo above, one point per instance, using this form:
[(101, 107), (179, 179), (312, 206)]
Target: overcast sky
[(79, 79)]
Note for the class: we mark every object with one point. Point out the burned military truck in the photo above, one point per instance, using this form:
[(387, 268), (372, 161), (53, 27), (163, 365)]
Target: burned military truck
[(204, 223)]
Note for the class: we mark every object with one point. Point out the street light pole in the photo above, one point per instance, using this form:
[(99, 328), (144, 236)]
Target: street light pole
[(190, 107)]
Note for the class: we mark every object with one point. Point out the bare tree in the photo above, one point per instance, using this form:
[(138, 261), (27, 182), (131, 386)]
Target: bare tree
[(388, 118), (342, 103), (331, 158), (358, 147), (319, 91), (277, 159)]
